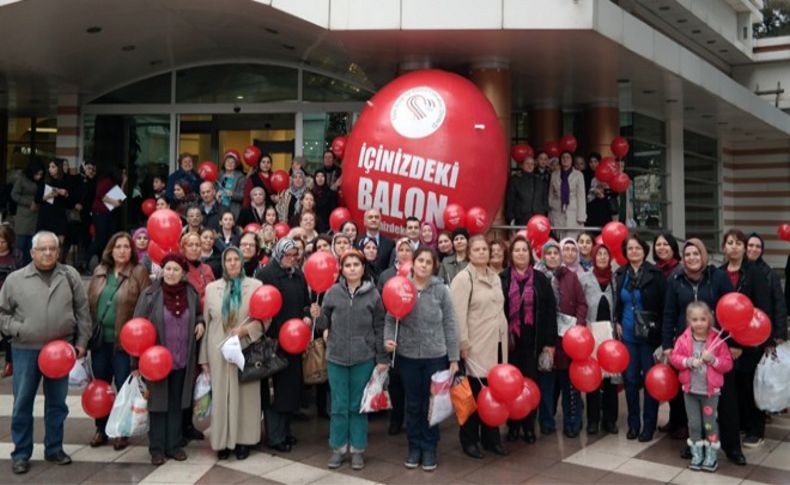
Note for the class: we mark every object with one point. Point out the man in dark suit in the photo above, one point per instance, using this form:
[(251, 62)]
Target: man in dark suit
[(211, 209), (386, 245)]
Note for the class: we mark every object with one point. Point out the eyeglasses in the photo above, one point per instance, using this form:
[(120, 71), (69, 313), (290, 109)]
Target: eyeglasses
[(47, 249), (247, 245)]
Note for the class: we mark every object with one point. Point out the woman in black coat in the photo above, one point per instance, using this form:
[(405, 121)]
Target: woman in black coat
[(531, 333), (325, 200), (283, 273), (52, 204)]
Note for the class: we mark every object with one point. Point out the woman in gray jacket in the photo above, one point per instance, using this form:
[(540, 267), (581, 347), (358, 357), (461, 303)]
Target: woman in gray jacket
[(354, 314), (230, 186), (425, 343), (24, 194)]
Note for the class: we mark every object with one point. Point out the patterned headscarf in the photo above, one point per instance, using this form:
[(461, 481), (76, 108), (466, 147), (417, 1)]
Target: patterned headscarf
[(576, 266), (231, 299), (298, 192)]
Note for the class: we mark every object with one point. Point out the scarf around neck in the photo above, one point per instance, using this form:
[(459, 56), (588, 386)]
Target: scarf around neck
[(175, 297), (565, 187), (518, 300)]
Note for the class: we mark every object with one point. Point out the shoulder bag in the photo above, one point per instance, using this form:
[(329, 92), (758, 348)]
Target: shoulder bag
[(262, 360)]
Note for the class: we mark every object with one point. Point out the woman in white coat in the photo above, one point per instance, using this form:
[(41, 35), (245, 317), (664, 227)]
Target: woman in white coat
[(567, 197)]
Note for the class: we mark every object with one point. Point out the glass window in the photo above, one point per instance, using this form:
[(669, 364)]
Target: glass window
[(319, 131), (152, 90), (316, 87), (30, 138), (236, 83), (701, 187)]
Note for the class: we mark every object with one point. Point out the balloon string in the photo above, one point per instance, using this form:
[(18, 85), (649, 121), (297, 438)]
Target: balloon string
[(397, 322), (477, 368), (718, 342)]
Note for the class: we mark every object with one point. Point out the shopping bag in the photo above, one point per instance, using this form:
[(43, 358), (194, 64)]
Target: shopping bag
[(463, 400), (314, 370), (375, 397), (80, 374), (201, 404), (129, 415), (231, 350), (441, 404), (771, 387)]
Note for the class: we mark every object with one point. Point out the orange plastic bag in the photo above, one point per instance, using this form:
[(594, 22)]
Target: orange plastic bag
[(463, 400)]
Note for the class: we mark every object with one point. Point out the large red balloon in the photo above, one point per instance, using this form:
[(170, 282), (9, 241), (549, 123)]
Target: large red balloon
[(521, 151), (164, 228), (156, 363), (613, 356), (399, 296), (552, 149), (734, 311), (454, 216), (619, 147), (157, 252), (56, 359), (280, 180), (338, 217), (585, 375), (404, 269), (294, 336), (491, 412), (252, 155), (252, 227), (281, 230), (420, 144), (578, 342), (339, 146), (620, 182), (519, 408), (783, 232), (606, 169), (266, 302), (505, 381), (538, 229), (661, 382), (137, 336), (613, 234), (568, 143), (476, 220), (98, 398), (208, 171), (148, 206), (756, 331), (321, 271)]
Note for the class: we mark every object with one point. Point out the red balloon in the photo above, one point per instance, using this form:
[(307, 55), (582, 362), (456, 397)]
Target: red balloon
[(156, 252), (280, 180), (519, 408), (613, 356), (599, 240), (534, 393), (156, 363), (476, 220), (661, 382), (491, 412), (266, 302), (538, 229), (619, 147), (585, 375), (148, 206), (294, 336), (606, 170), (252, 227), (568, 143), (338, 217), (404, 269), (56, 359), (321, 271), (505, 382), (454, 216), (521, 151), (578, 342), (164, 228), (617, 255), (756, 331), (421, 143), (399, 296), (137, 336), (784, 232), (339, 146), (264, 260), (97, 399), (281, 230), (613, 234), (552, 149), (620, 182), (207, 171), (734, 311), (252, 155)]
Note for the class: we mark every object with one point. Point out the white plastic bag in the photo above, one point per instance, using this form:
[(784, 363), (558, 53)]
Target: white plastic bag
[(201, 405), (129, 415), (771, 386), (441, 406), (376, 397), (231, 350), (80, 374)]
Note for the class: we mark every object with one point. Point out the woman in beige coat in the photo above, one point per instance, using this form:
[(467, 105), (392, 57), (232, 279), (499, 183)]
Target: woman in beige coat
[(236, 406), (567, 197), (482, 336)]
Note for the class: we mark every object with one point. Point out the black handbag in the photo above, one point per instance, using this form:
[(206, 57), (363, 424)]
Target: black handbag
[(97, 332), (645, 324), (262, 359)]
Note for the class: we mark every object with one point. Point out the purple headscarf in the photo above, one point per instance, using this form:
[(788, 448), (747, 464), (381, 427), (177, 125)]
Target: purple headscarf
[(434, 232), (140, 252)]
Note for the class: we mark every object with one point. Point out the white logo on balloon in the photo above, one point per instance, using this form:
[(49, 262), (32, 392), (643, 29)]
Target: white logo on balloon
[(418, 112)]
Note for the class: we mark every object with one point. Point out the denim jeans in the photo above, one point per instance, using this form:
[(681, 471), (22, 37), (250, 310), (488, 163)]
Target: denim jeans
[(641, 360), (107, 363), (26, 379), (416, 377), (572, 405), (346, 424)]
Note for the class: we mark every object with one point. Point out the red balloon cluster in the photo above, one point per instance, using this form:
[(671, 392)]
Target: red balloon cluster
[(338, 217), (521, 151), (137, 336), (156, 363), (339, 146), (294, 336), (509, 395), (321, 271), (56, 359), (756, 332), (734, 311), (783, 232), (281, 230), (399, 296), (568, 143), (661, 382), (454, 216), (208, 171), (613, 235), (606, 170), (252, 155), (266, 302), (148, 206), (280, 180), (98, 398), (552, 149), (584, 371)]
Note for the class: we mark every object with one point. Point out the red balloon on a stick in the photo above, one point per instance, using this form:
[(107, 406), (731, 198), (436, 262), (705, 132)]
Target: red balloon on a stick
[(252, 227), (568, 143), (661, 382), (454, 216), (476, 220), (538, 229), (620, 182), (339, 146), (619, 147), (756, 332), (734, 311), (207, 171), (251, 156), (521, 151), (399, 296), (613, 234), (321, 271), (491, 412), (156, 363), (578, 342), (339, 216), (56, 359), (294, 336), (613, 356), (280, 180), (164, 228), (97, 399), (148, 206), (505, 382), (783, 232), (266, 302), (281, 230), (552, 149), (606, 169), (137, 336), (585, 375)]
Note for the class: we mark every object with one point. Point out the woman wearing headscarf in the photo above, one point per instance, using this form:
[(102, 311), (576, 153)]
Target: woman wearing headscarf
[(754, 251), (290, 200), (141, 241), (570, 256), (283, 273), (567, 196), (429, 234), (370, 249), (325, 200), (235, 406)]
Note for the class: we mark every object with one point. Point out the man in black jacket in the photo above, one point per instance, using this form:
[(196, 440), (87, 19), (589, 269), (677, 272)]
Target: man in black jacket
[(386, 245), (527, 195)]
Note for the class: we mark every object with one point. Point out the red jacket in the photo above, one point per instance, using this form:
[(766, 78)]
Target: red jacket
[(572, 302), (199, 277), (683, 350)]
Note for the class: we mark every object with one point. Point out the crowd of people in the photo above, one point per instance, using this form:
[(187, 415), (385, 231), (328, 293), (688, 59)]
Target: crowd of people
[(480, 302)]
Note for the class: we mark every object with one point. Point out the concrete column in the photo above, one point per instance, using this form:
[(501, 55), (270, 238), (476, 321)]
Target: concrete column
[(67, 142), (545, 124), (601, 125), (675, 189)]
